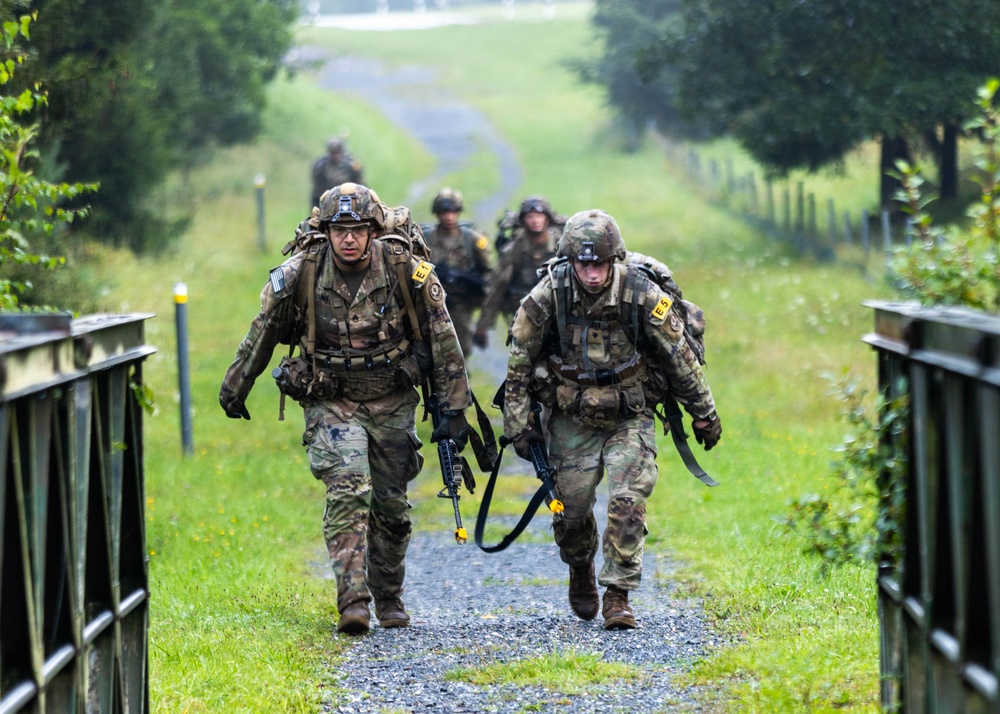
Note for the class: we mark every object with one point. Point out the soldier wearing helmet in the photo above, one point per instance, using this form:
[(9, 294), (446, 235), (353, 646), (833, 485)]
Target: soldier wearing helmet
[(334, 168), (581, 344), (533, 241), (363, 348), (462, 260)]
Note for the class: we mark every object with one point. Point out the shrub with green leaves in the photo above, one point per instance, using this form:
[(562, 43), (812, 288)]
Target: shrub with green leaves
[(860, 518), (956, 267), (29, 206)]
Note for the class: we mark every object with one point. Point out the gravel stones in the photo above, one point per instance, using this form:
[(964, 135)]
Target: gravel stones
[(470, 609)]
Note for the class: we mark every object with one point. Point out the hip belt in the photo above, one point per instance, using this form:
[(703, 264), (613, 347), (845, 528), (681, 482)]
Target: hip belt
[(364, 362), (597, 377)]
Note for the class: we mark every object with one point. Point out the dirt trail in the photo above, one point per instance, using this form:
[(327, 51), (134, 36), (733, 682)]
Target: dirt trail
[(449, 130)]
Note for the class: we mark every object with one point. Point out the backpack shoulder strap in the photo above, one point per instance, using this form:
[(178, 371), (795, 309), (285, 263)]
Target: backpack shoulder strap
[(305, 292), (400, 260), (559, 274)]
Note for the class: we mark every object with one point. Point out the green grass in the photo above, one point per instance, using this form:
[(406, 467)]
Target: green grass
[(242, 619), (567, 672)]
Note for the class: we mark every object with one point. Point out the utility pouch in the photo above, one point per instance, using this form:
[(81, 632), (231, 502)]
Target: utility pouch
[(324, 387), (293, 376), (600, 407), (410, 372), (634, 399), (365, 386), (567, 398)]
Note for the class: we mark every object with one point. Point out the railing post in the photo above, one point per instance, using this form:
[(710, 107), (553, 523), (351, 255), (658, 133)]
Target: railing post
[(183, 367)]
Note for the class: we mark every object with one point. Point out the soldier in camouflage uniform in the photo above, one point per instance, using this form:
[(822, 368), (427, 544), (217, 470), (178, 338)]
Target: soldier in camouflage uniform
[(532, 244), (463, 260), (355, 380), (333, 169), (573, 350)]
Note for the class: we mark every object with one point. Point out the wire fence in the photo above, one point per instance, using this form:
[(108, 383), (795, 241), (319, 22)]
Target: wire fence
[(790, 213)]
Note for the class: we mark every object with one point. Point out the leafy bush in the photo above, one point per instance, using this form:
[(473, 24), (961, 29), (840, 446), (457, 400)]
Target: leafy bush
[(28, 206), (860, 519), (956, 267)]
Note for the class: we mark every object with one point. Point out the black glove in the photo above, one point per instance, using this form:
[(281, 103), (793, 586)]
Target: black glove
[(522, 444), (235, 409), (480, 339), (232, 405), (454, 426), (708, 430)]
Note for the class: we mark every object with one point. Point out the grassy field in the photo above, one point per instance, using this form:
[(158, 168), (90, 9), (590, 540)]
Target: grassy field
[(242, 612)]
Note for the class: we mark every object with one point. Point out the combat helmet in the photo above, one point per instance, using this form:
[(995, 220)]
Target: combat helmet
[(591, 236), (351, 203), (539, 204), (447, 199)]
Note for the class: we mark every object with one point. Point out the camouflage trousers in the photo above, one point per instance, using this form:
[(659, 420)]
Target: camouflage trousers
[(365, 465), (626, 455)]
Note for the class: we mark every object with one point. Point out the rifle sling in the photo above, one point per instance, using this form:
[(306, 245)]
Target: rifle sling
[(672, 415), (485, 446), (529, 512)]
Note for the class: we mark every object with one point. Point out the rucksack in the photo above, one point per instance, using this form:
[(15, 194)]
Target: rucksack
[(643, 268)]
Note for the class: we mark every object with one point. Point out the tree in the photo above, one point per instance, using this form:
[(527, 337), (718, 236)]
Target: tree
[(28, 205), (801, 82), (141, 88), (626, 27)]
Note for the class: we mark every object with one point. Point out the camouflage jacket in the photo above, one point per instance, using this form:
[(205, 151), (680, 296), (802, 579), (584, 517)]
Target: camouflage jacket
[(373, 321), (516, 274), (534, 332), (468, 252)]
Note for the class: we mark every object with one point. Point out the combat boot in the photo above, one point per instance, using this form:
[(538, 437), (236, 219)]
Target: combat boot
[(583, 597), (355, 619), (390, 613), (617, 613)]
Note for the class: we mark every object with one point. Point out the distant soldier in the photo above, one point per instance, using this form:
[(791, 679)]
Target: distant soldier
[(583, 343), (462, 259), (335, 168), (371, 325), (535, 234)]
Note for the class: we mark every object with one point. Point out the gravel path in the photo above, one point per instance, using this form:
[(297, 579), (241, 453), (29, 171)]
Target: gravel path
[(470, 609)]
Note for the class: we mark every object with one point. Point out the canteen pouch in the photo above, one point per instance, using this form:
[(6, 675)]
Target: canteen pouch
[(293, 376)]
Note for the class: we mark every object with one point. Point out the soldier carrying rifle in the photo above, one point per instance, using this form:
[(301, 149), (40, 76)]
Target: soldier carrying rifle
[(370, 322), (584, 342)]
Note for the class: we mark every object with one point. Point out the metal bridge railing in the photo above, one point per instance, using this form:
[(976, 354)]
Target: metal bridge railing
[(73, 576), (939, 606)]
